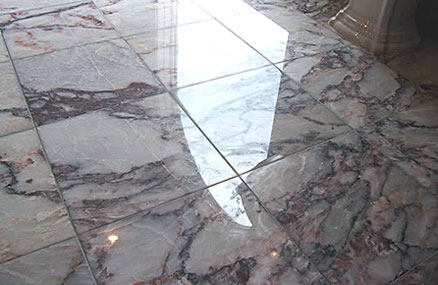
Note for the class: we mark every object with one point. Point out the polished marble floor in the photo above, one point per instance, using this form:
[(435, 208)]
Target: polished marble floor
[(211, 142)]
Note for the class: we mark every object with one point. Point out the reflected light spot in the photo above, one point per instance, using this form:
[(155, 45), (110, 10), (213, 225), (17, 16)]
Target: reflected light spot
[(113, 239), (274, 253)]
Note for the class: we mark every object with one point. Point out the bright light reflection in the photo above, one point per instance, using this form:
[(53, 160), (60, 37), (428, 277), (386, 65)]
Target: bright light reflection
[(113, 238)]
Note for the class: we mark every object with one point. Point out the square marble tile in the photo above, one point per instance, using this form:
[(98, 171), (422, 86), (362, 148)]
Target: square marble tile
[(424, 273), (411, 137), (258, 116), (194, 53), (14, 116), (281, 37), (60, 27), (217, 236), (68, 83), (14, 6), (61, 263), (138, 16), (358, 216), (353, 84), (32, 214), (4, 55), (115, 162)]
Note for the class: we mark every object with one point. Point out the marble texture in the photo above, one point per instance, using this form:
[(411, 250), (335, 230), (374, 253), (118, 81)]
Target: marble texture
[(179, 58), (4, 55), (411, 137), (32, 214), (114, 162), (194, 241), (154, 15), (55, 28), (425, 273), (352, 84), (258, 116), (358, 216), (14, 6), (61, 263), (14, 116), (225, 8), (72, 82), (283, 36)]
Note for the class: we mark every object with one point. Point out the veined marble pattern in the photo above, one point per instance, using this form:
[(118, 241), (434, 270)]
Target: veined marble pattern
[(179, 58), (352, 84), (67, 83), (32, 214), (424, 273), (258, 116), (115, 162), (412, 133), (61, 263), (154, 15), (14, 116), (359, 217), (193, 240), (54, 28), (281, 36), (14, 6)]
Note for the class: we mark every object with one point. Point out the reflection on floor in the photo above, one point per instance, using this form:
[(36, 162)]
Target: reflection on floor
[(211, 142)]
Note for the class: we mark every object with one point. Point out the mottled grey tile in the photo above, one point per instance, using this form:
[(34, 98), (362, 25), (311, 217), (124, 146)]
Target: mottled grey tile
[(114, 162), (32, 214), (125, 15), (14, 116), (281, 36), (425, 273), (68, 83), (60, 27), (217, 236), (353, 84), (358, 216), (410, 137), (257, 116), (61, 263), (22, 6), (179, 57)]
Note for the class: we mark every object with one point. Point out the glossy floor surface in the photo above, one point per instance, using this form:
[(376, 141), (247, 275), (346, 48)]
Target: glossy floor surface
[(211, 142)]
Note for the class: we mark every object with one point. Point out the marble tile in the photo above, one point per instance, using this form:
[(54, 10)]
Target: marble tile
[(194, 53), (56, 28), (320, 10), (411, 137), (358, 216), (258, 116), (32, 214), (418, 66), (217, 236), (281, 37), (14, 6), (225, 8), (115, 162), (4, 55), (61, 263), (68, 83), (154, 15), (425, 273), (353, 84), (14, 116)]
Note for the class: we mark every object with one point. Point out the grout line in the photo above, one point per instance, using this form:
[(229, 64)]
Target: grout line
[(51, 172), (16, 132)]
